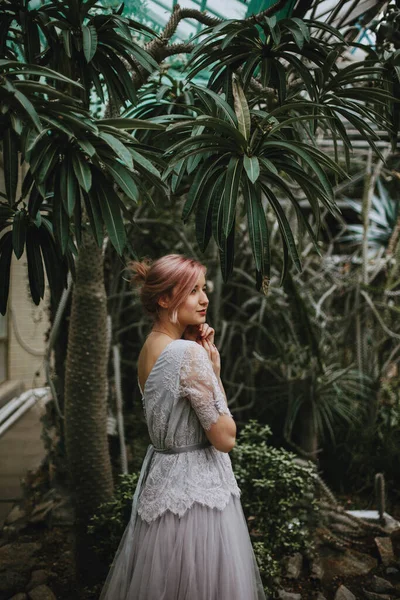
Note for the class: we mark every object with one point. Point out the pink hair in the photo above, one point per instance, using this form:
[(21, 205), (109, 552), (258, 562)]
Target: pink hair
[(173, 275)]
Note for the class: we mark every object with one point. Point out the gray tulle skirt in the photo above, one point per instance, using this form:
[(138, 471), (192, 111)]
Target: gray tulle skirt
[(204, 555)]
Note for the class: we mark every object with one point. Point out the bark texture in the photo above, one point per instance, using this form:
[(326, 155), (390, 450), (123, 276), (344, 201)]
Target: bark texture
[(86, 398)]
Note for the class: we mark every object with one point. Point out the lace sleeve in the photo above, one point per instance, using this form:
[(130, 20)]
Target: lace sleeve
[(199, 384)]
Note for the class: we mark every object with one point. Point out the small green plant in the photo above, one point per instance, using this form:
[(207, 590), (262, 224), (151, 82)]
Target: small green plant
[(278, 497), (108, 524), (270, 569)]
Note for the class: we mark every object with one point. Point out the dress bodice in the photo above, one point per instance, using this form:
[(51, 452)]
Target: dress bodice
[(181, 400)]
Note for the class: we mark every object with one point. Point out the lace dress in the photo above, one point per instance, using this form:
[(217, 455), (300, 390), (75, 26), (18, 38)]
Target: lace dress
[(187, 538)]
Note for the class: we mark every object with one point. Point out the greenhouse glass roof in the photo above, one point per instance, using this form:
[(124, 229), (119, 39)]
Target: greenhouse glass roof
[(155, 13)]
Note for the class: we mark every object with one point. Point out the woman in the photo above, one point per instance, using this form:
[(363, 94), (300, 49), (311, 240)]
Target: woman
[(187, 538)]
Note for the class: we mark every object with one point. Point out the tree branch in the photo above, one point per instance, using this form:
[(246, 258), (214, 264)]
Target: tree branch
[(178, 49), (159, 49)]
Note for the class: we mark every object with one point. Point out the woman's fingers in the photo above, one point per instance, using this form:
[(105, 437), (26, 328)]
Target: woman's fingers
[(207, 332)]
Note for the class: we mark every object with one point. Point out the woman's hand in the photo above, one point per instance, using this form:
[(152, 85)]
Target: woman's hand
[(198, 333), (213, 355)]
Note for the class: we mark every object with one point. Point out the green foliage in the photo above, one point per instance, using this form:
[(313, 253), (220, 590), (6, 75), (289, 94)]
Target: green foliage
[(382, 220), (277, 495), (247, 137), (108, 524), (270, 569), (76, 166)]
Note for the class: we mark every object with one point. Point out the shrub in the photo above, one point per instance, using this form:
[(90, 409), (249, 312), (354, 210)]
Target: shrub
[(278, 497), (108, 524)]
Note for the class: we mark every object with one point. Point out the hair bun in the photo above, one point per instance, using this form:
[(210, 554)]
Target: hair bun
[(139, 270)]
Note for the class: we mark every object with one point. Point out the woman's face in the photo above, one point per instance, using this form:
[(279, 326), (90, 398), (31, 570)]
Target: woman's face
[(194, 309)]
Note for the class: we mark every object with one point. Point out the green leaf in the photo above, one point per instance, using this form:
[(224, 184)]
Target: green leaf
[(241, 108), (130, 124), (204, 210), (123, 179), (226, 254), (94, 213), (199, 182), (29, 108), (44, 169), (40, 71), (19, 232), (82, 172), (283, 226), (252, 167), (297, 34), (120, 150), (111, 213), (66, 38), (6, 249), (10, 158), (34, 202), (219, 102), (87, 147), (89, 34), (60, 218), (231, 193), (143, 162), (71, 190), (55, 267), (35, 265), (303, 27), (268, 165), (252, 222), (306, 156)]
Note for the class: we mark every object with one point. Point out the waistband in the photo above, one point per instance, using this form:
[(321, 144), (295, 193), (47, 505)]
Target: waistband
[(179, 449)]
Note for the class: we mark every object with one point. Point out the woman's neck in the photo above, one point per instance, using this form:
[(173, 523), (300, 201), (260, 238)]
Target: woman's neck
[(170, 329)]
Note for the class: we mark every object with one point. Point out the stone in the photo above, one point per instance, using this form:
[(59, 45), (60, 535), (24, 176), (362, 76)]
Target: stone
[(343, 593), (43, 507), (20, 596), (18, 556), (41, 592), (16, 514), (350, 563), (320, 596), (385, 549), (11, 582), (373, 596), (294, 564), (395, 537), (63, 515), (392, 571), (316, 569), (41, 511), (284, 595), (381, 586), (390, 524), (37, 578)]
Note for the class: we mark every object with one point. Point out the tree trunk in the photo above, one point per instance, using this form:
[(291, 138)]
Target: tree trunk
[(86, 400), (306, 426)]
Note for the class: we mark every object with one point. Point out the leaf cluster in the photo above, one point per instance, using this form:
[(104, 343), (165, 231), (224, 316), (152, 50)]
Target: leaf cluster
[(277, 492), (79, 171)]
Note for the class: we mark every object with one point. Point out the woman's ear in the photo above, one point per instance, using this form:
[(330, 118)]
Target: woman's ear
[(163, 301)]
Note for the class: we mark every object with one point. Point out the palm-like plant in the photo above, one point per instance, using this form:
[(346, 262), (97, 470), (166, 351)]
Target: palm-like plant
[(248, 152), (74, 160), (309, 374), (76, 164), (382, 220), (243, 152)]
